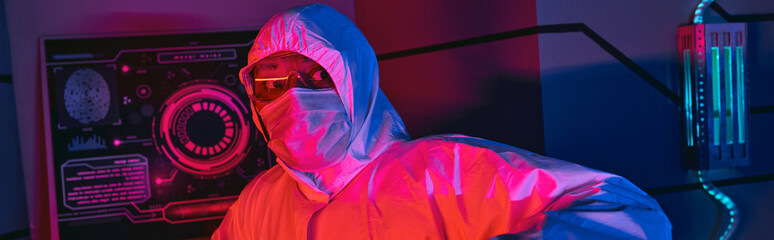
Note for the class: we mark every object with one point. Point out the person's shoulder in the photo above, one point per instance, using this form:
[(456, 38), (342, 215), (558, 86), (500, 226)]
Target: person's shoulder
[(460, 141), (446, 149), (442, 140), (266, 179), (466, 150)]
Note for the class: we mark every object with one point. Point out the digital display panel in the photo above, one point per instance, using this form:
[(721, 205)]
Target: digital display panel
[(151, 136)]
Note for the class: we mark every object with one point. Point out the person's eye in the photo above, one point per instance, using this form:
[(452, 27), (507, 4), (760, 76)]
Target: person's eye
[(320, 75), (277, 84)]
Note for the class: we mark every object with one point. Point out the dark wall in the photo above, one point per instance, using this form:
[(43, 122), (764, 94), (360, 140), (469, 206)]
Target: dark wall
[(593, 109), (598, 112), (13, 204), (464, 89)]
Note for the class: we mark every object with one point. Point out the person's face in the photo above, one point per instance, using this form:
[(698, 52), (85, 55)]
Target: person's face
[(274, 75)]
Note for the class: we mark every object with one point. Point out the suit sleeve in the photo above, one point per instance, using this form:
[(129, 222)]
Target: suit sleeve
[(536, 197), (582, 203)]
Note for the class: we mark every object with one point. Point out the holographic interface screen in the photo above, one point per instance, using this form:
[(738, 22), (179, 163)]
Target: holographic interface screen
[(152, 136)]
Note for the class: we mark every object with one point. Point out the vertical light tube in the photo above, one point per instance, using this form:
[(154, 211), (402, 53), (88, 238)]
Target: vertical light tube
[(715, 58), (688, 96), (729, 113), (740, 104)]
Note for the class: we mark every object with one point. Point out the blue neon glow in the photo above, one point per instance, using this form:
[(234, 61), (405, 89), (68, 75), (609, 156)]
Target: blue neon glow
[(740, 93), (715, 193), (715, 59), (729, 96), (688, 96), (697, 14), (73, 56)]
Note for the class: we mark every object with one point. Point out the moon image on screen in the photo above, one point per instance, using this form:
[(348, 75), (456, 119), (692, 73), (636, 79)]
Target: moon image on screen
[(86, 96)]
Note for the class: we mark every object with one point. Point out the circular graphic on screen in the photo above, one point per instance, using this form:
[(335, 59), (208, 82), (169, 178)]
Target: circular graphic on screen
[(86, 96), (143, 91), (203, 131)]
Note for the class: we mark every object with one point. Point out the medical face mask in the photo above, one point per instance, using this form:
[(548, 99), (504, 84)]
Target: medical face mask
[(308, 129)]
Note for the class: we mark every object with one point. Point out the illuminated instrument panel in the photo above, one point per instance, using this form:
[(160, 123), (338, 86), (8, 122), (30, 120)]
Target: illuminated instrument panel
[(715, 95), (149, 136)]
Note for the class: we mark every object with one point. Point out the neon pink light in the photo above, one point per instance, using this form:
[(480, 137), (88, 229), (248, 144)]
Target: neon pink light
[(116, 142), (187, 156), (173, 205), (125, 68), (227, 118), (160, 180), (197, 210), (229, 131), (196, 107), (229, 125), (190, 146), (107, 186)]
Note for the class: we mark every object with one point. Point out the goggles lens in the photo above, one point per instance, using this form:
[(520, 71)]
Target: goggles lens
[(273, 76), (267, 89)]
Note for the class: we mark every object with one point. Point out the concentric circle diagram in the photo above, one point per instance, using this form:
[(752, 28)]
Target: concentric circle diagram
[(202, 129), (86, 96), (143, 91)]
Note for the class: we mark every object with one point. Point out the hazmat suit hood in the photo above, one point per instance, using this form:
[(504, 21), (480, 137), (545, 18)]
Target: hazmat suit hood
[(333, 41)]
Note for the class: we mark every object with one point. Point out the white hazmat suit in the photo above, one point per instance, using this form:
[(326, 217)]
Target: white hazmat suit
[(348, 169)]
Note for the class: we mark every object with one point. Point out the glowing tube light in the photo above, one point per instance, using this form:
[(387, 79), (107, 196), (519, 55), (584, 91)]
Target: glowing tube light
[(729, 113), (716, 95), (688, 97), (740, 103)]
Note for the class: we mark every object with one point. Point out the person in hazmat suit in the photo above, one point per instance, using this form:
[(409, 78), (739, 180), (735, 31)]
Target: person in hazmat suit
[(347, 168)]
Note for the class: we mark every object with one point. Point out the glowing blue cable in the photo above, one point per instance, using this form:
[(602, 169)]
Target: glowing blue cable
[(714, 192), (697, 19)]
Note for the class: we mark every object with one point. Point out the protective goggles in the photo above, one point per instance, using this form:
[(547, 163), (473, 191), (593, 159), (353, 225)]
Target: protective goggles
[(274, 75)]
